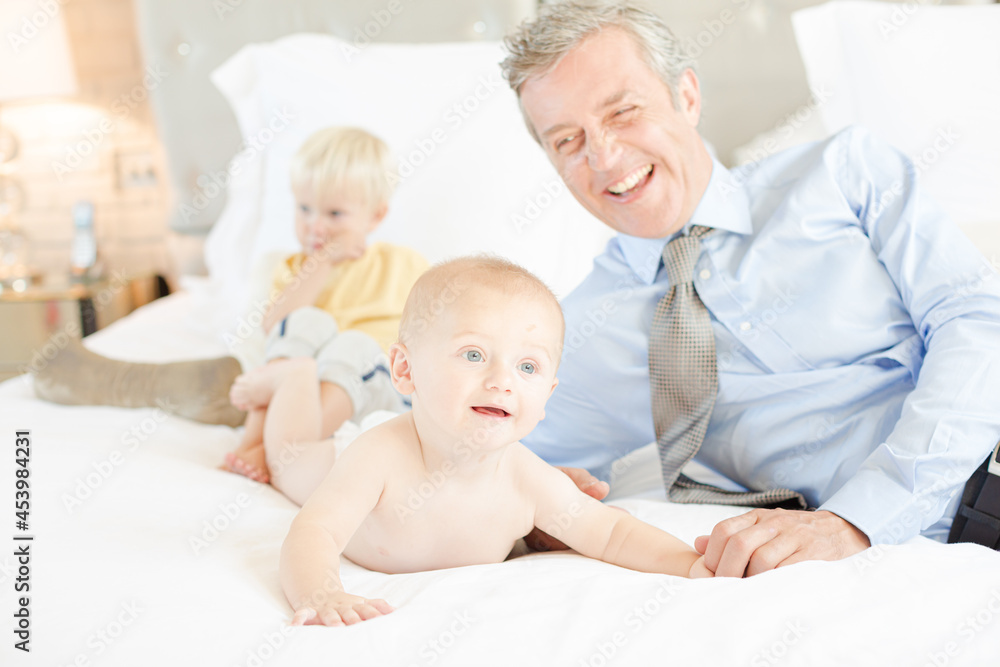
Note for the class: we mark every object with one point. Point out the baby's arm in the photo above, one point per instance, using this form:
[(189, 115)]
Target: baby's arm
[(310, 556), (601, 532)]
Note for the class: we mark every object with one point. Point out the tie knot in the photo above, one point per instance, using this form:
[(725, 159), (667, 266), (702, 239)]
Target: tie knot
[(681, 254)]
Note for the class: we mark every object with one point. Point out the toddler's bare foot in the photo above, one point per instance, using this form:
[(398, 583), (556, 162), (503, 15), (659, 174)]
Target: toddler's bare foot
[(246, 394), (250, 461), (255, 388)]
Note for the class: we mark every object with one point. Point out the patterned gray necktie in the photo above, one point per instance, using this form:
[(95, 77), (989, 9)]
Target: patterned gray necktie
[(684, 381)]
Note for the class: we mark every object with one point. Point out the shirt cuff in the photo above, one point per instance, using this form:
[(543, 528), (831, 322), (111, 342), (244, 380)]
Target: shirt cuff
[(884, 511)]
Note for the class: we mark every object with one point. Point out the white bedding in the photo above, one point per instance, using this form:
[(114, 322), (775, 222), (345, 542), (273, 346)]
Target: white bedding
[(118, 580)]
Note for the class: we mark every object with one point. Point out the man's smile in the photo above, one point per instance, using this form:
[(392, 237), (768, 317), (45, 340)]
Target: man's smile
[(632, 182)]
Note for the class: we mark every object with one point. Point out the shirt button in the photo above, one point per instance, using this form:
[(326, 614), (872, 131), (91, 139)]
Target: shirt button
[(745, 326), (705, 274)]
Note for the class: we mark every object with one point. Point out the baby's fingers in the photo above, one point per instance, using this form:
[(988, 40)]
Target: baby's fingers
[(342, 614), (372, 608), (309, 616), (331, 618), (350, 616), (382, 606), (303, 616)]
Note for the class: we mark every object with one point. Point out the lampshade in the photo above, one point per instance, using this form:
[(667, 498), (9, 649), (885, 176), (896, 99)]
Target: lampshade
[(35, 56)]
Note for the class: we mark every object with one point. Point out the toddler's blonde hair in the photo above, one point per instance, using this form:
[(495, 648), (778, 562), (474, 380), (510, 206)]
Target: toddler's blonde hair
[(345, 160)]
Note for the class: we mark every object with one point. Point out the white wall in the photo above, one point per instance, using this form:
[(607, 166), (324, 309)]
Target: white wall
[(750, 69)]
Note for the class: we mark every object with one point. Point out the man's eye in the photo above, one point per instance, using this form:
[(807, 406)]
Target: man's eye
[(527, 367), (623, 111), (334, 214), (473, 355), (565, 141), (303, 208)]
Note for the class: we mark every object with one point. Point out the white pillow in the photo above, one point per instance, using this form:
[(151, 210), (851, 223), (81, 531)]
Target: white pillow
[(230, 242), (925, 78), (472, 178)]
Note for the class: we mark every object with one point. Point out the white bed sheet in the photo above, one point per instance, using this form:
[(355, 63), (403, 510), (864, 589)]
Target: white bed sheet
[(117, 580)]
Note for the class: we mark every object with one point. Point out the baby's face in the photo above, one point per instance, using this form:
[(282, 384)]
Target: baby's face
[(334, 220), (484, 368)]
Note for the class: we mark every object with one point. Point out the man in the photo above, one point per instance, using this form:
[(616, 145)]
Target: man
[(854, 326)]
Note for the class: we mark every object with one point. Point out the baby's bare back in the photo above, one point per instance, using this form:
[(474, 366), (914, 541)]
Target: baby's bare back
[(466, 510)]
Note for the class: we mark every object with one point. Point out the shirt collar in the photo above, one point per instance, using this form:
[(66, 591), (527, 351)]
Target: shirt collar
[(723, 206)]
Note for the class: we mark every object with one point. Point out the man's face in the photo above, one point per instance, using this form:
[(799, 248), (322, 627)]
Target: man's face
[(608, 125)]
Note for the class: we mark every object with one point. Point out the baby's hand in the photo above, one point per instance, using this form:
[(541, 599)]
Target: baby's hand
[(699, 570), (341, 609)]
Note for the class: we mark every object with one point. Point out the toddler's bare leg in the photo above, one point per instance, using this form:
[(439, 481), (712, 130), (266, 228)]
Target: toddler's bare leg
[(337, 407), (253, 389), (252, 392), (301, 412), (248, 458)]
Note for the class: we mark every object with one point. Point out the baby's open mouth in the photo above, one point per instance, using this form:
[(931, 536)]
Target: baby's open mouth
[(491, 411)]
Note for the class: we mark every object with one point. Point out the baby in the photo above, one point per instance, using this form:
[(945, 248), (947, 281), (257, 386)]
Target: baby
[(479, 344), (339, 301)]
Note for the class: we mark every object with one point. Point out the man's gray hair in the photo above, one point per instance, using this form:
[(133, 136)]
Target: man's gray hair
[(537, 46)]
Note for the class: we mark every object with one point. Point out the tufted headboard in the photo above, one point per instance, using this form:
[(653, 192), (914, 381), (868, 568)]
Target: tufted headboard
[(187, 39)]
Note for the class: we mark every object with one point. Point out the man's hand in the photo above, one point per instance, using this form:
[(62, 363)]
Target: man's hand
[(593, 487), (341, 609), (762, 540), (586, 482)]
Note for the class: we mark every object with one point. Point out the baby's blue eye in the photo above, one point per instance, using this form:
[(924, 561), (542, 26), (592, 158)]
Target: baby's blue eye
[(527, 367), (473, 355)]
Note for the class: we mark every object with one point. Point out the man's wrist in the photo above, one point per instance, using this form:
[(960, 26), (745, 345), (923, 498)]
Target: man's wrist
[(857, 540)]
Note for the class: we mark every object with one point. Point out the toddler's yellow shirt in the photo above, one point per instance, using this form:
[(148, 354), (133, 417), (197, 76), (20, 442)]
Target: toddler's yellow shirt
[(366, 294)]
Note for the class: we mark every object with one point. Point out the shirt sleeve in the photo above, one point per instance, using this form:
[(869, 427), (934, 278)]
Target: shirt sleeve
[(285, 271), (600, 411), (951, 420)]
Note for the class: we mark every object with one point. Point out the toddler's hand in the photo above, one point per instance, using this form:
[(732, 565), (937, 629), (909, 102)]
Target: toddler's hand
[(338, 251), (342, 609), (699, 570)]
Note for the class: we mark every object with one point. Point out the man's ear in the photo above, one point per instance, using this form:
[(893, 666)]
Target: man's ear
[(400, 368), (689, 93)]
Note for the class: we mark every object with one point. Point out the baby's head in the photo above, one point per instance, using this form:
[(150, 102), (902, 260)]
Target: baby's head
[(479, 345), (341, 179)]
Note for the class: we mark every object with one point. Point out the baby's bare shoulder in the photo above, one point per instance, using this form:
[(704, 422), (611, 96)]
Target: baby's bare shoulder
[(392, 443), (368, 465), (525, 460), (529, 470)]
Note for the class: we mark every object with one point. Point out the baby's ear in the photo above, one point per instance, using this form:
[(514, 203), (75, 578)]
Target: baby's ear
[(555, 383), (400, 369)]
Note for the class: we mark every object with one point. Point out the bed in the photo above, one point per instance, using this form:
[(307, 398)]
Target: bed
[(146, 553)]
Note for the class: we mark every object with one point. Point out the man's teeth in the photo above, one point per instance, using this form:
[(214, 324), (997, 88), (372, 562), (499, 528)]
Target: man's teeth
[(630, 182)]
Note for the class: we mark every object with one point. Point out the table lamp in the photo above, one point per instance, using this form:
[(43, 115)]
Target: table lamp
[(35, 64)]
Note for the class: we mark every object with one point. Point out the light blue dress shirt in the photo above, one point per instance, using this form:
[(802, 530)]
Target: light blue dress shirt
[(857, 333)]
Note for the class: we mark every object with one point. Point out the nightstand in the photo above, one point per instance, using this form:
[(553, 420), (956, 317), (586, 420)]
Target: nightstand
[(35, 319)]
